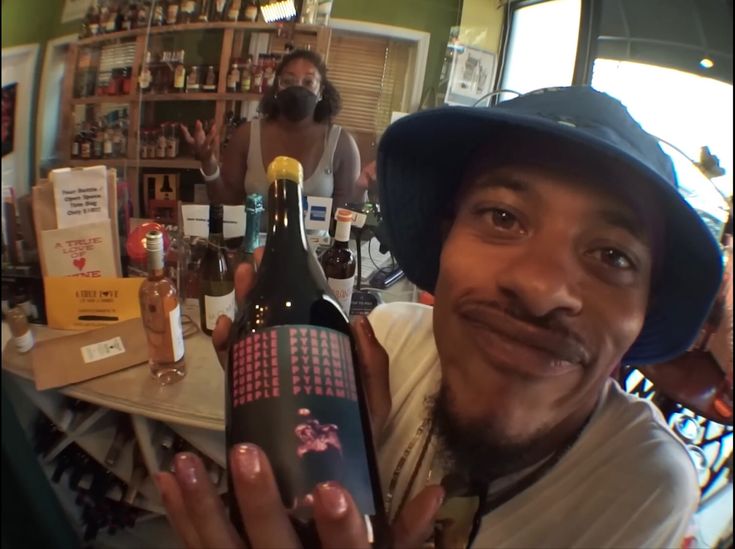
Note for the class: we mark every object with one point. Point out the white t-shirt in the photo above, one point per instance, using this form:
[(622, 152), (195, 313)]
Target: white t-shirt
[(626, 482)]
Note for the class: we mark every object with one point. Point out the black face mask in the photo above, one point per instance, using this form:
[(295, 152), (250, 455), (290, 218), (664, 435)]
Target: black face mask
[(296, 103)]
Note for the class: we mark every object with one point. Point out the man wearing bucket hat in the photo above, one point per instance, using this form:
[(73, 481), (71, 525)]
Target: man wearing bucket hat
[(551, 233)]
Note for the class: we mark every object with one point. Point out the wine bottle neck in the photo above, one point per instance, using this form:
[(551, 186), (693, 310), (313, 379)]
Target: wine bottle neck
[(286, 235), (155, 264), (252, 231)]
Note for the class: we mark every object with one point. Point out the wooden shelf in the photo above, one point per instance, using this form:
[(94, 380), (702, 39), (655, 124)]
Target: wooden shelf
[(98, 99), (238, 25), (109, 162), (199, 97), (183, 162)]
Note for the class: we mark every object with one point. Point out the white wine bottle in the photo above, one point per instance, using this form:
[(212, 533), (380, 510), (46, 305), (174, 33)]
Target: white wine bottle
[(292, 386), (216, 286)]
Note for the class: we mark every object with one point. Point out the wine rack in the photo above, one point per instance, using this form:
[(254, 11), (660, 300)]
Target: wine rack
[(232, 39), (161, 421)]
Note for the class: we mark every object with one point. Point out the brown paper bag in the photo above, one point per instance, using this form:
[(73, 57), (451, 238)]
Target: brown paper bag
[(75, 358), (44, 219), (84, 250)]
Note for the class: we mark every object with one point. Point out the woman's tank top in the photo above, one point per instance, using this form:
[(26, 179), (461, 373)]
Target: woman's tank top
[(320, 183)]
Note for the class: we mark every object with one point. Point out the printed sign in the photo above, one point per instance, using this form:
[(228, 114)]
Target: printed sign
[(80, 196), (317, 212), (86, 250), (195, 220), (81, 303)]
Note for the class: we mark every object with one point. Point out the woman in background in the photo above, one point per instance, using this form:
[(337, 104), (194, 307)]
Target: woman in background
[(297, 121)]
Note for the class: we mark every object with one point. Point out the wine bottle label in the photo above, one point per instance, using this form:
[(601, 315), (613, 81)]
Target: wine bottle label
[(177, 334), (292, 390), (216, 306), (189, 6), (102, 350), (342, 288)]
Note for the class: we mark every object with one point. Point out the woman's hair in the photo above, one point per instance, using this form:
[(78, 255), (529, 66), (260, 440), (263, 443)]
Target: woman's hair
[(326, 109)]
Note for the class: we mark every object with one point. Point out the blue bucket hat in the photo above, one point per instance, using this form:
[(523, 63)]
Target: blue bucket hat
[(422, 157)]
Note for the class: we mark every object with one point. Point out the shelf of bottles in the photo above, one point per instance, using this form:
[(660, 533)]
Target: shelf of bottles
[(100, 461)]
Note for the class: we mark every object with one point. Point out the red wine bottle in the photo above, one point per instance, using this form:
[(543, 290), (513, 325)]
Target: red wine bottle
[(292, 386)]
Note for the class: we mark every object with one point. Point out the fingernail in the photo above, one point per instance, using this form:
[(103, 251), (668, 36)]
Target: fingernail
[(186, 469), (332, 497), (367, 328), (246, 458)]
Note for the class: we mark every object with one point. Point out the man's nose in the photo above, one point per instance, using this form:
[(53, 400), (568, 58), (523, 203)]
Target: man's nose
[(543, 280)]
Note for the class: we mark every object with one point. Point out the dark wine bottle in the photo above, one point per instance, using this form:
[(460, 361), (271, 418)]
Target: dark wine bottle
[(292, 386), (339, 261), (217, 287)]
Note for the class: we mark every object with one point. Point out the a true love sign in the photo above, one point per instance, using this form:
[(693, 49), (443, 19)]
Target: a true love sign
[(80, 251)]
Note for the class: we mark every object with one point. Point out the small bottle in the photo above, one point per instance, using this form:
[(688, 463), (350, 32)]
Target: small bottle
[(192, 81), (162, 143), (251, 11), (246, 76), (219, 10), (217, 287), (172, 12), (233, 14), (233, 79), (21, 330), (189, 10), (159, 305), (210, 82), (339, 262), (204, 11), (172, 140), (145, 78), (180, 73), (159, 17)]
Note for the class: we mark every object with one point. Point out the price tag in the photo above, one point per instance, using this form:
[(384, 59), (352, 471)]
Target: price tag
[(102, 350)]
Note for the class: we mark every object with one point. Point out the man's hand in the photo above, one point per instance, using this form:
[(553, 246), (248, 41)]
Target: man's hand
[(196, 511)]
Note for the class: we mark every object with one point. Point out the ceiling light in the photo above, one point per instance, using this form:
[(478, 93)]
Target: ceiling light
[(278, 11), (706, 63)]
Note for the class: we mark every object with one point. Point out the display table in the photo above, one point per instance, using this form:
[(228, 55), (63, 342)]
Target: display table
[(193, 409)]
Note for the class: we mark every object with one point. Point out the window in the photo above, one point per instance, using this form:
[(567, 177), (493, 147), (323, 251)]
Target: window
[(372, 74), (686, 110), (542, 46)]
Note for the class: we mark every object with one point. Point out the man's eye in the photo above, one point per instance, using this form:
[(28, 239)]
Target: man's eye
[(614, 258), (503, 219)]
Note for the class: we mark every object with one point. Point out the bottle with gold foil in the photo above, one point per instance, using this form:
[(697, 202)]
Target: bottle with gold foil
[(292, 386)]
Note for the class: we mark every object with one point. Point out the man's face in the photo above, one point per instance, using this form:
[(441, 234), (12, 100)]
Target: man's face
[(543, 286)]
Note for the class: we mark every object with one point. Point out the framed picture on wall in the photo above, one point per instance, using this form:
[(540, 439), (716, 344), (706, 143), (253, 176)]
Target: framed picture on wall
[(8, 120), (74, 10), (471, 77)]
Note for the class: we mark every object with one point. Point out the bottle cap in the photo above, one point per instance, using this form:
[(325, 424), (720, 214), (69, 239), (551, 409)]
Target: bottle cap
[(344, 215), (254, 203), (285, 167), (154, 241)]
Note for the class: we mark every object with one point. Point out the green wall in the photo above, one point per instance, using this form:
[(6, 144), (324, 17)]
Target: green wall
[(38, 21)]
